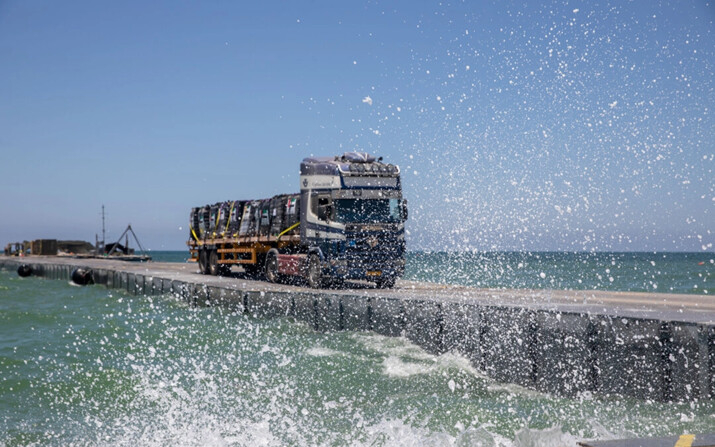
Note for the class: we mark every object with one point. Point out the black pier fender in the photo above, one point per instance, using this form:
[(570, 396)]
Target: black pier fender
[(82, 276), (24, 270)]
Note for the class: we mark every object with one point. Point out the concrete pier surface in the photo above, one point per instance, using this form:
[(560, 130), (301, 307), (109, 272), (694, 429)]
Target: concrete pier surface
[(700, 440), (645, 345)]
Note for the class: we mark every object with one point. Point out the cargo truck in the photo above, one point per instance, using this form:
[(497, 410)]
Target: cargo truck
[(347, 222)]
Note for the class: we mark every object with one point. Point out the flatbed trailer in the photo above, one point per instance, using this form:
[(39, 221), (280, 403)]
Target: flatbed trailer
[(215, 256)]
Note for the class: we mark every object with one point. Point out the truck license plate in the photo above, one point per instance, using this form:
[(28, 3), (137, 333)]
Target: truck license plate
[(374, 273)]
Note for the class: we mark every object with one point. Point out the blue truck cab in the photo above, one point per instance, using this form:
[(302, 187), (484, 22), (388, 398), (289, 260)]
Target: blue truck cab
[(352, 219)]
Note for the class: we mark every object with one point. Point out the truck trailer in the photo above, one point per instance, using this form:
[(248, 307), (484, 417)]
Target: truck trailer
[(347, 222)]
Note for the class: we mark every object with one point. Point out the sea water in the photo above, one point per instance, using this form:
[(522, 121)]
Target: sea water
[(92, 366), (616, 271), (634, 272)]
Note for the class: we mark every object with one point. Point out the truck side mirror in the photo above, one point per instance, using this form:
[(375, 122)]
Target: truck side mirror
[(403, 209)]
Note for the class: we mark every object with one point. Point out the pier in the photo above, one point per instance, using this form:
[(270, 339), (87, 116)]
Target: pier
[(645, 345), (704, 440)]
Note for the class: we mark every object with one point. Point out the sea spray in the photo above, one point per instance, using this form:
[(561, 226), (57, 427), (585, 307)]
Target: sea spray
[(90, 366)]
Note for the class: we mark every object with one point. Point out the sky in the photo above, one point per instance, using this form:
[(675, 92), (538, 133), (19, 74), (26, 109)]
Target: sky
[(578, 126)]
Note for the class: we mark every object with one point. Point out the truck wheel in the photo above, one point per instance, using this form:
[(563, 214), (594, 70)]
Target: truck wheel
[(386, 283), (203, 261), (213, 263), (314, 276), (271, 271)]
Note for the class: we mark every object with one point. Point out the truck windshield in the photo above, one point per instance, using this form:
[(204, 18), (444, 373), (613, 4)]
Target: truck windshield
[(367, 210)]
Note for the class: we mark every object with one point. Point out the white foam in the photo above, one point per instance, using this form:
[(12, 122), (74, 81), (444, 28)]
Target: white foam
[(319, 351), (404, 358), (396, 367)]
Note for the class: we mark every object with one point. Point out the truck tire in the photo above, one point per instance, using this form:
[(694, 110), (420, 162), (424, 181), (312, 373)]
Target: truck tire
[(314, 275), (213, 263), (203, 261), (271, 269)]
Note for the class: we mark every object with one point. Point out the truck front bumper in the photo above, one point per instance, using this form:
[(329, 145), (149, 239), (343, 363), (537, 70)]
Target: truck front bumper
[(369, 272)]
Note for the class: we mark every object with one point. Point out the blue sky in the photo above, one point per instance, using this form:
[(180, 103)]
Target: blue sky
[(558, 126)]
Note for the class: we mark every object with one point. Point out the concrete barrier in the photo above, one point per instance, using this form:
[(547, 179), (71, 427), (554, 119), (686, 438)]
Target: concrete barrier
[(356, 313), (157, 286), (37, 269), (462, 324), (328, 313), (166, 286), (424, 324), (143, 285), (387, 316), (629, 358), (303, 308), (267, 305), (562, 361), (199, 294), (131, 284), (689, 354), (234, 300), (99, 276), (180, 290), (507, 345)]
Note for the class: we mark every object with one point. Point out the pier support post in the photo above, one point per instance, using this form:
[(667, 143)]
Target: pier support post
[(629, 359), (166, 286), (506, 343), (268, 305), (131, 284), (356, 315), (561, 355), (199, 295), (328, 313), (304, 308), (180, 290), (688, 364), (424, 324), (388, 317), (461, 333), (233, 299), (100, 276), (157, 286)]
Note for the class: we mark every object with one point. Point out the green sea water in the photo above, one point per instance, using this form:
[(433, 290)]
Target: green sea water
[(92, 366), (634, 272)]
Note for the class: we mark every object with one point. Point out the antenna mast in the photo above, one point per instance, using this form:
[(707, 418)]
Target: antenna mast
[(103, 231)]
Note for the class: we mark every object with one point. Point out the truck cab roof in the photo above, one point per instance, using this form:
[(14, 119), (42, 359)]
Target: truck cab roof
[(351, 163)]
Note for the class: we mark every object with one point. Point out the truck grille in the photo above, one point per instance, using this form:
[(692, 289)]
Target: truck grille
[(371, 246)]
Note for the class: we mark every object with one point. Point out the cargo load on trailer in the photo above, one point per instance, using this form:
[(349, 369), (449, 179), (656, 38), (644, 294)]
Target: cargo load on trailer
[(347, 222)]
